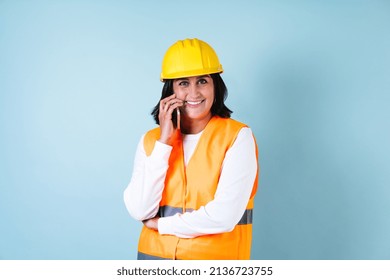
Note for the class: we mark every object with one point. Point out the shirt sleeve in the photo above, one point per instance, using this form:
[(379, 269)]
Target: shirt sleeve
[(143, 194), (222, 214)]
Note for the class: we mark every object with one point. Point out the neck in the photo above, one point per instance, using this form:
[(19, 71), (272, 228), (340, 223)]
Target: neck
[(190, 126)]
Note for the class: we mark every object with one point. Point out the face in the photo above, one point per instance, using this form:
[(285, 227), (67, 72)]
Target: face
[(198, 96)]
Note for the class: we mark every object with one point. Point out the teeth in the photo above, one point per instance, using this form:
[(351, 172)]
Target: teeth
[(194, 102)]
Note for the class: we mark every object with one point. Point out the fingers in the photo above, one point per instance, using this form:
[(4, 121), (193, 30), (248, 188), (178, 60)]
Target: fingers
[(172, 106), (169, 104), (151, 223), (166, 101)]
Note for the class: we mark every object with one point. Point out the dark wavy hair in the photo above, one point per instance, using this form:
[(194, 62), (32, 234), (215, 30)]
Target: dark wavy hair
[(217, 109)]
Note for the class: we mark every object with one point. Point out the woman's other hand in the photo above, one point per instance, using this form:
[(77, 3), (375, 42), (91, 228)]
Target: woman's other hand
[(152, 223)]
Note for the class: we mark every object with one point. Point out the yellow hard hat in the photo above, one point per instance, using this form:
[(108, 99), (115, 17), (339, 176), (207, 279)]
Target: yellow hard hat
[(188, 58)]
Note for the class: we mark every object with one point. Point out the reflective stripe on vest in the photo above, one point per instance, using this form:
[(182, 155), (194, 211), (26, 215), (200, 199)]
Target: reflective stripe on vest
[(167, 211), (142, 256)]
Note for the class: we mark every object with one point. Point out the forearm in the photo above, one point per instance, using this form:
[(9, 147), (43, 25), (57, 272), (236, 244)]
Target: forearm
[(143, 194)]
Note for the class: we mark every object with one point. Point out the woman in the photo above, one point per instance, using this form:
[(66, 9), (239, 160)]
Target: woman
[(195, 176)]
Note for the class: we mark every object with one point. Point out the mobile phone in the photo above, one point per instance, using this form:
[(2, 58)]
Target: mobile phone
[(176, 118)]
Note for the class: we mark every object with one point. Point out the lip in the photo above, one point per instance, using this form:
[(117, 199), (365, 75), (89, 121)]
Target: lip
[(194, 103)]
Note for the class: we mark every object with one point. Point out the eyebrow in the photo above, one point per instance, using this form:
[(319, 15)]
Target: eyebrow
[(187, 78), (204, 76)]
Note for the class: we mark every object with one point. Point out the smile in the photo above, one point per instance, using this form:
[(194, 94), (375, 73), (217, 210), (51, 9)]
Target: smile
[(193, 103)]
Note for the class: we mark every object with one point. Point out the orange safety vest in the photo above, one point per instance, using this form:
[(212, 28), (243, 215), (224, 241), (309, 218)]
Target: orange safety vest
[(188, 188)]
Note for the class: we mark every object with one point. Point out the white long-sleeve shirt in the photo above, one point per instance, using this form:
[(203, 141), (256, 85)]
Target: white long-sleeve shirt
[(239, 168)]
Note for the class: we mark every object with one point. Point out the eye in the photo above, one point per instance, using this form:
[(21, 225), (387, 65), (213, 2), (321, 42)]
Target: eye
[(202, 81), (183, 83)]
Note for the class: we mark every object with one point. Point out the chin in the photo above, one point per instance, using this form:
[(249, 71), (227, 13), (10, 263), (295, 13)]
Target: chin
[(200, 116)]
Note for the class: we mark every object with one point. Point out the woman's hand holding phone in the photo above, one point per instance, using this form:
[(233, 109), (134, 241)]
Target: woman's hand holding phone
[(167, 107)]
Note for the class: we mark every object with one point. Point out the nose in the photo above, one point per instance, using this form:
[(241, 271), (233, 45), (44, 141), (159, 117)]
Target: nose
[(192, 91)]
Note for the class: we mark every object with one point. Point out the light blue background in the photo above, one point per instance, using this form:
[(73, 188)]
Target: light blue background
[(78, 80)]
